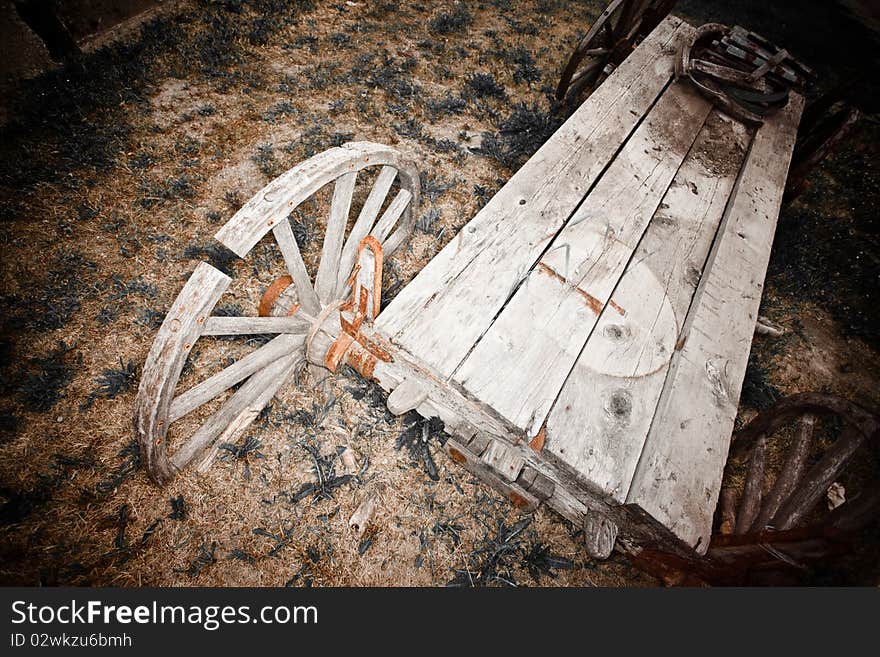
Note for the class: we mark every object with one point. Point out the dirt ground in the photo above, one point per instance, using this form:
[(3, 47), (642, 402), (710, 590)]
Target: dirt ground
[(117, 171)]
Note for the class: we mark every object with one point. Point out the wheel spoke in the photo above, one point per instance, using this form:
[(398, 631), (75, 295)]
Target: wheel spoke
[(383, 227), (791, 472), (818, 479), (297, 268), (328, 270), (209, 388), (239, 411), (364, 223), (255, 325)]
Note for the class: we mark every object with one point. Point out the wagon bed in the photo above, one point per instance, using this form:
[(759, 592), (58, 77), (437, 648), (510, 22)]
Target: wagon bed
[(584, 337), (600, 308)]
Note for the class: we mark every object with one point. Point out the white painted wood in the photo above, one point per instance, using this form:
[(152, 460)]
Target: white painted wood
[(255, 325), (469, 281), (678, 476), (340, 206), (278, 199), (389, 218), (406, 397), (238, 412), (366, 219), (600, 420), (519, 365), (208, 389), (296, 267)]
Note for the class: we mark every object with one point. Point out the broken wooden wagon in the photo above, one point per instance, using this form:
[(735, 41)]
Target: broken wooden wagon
[(583, 338)]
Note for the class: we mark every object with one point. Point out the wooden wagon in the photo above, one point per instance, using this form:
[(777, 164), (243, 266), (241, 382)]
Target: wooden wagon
[(583, 338)]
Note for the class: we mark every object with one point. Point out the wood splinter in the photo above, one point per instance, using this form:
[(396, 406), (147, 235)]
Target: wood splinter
[(362, 516)]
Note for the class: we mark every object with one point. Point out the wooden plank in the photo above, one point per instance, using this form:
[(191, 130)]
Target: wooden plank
[(211, 387), (519, 366), (334, 235), (469, 281), (600, 435), (256, 325), (278, 199), (679, 473), (366, 218), (296, 267)]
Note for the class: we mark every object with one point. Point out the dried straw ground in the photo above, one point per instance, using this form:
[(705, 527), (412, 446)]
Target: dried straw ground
[(113, 186)]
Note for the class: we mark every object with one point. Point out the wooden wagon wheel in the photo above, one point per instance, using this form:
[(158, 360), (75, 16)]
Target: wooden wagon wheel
[(293, 307), (610, 39), (781, 530)]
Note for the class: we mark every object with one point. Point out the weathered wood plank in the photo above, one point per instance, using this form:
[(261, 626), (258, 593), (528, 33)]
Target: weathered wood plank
[(296, 267), (179, 331), (520, 364), (334, 236), (208, 389), (679, 474), (472, 277), (256, 325), (366, 219), (600, 435)]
